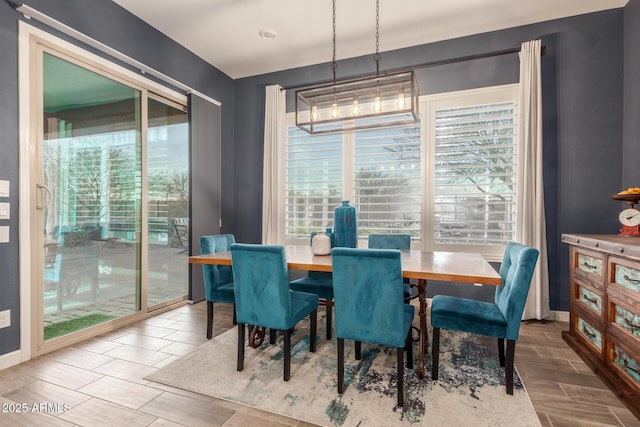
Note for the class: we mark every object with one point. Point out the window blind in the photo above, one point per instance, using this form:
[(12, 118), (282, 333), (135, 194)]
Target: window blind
[(475, 173), (313, 175), (387, 180)]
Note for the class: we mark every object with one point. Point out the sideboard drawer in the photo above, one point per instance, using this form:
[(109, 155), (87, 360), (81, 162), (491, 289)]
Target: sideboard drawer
[(589, 298), (588, 331), (626, 274), (589, 266), (622, 359), (625, 319)]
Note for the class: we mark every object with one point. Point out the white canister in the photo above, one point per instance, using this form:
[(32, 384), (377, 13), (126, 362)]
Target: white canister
[(321, 244)]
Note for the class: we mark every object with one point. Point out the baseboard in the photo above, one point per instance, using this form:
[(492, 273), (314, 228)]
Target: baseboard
[(10, 359), (559, 316)]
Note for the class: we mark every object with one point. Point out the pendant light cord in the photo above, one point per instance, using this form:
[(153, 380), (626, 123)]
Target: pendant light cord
[(334, 65), (376, 57)]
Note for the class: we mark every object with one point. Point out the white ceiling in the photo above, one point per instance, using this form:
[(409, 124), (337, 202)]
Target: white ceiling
[(225, 33)]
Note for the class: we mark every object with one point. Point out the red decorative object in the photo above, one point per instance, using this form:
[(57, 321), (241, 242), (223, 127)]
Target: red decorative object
[(630, 231)]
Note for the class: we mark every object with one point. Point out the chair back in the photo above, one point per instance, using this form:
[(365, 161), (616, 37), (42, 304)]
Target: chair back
[(215, 275), (516, 271), (390, 241), (368, 295), (261, 285)]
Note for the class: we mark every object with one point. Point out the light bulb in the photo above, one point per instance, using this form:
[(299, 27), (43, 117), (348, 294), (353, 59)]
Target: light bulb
[(377, 104), (314, 113), (334, 111), (356, 106), (401, 100)]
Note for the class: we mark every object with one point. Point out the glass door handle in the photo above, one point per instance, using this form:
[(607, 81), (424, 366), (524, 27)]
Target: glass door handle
[(43, 201)]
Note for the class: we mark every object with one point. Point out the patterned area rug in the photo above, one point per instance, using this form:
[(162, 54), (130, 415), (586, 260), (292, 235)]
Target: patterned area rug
[(470, 390)]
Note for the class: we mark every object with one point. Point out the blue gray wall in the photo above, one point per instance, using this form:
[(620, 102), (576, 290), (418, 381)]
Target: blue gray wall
[(582, 95), (9, 262), (631, 102), (107, 22)]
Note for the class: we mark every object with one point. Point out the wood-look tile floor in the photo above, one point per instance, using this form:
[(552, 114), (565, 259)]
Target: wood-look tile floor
[(100, 382)]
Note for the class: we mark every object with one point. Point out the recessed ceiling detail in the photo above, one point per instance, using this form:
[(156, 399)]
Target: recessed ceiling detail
[(268, 33)]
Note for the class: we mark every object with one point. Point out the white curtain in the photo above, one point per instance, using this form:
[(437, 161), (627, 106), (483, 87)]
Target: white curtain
[(531, 225), (273, 162)]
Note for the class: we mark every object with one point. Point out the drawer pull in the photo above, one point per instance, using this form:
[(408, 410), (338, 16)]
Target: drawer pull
[(625, 277), (589, 333), (629, 368), (585, 264), (631, 325), (591, 300)]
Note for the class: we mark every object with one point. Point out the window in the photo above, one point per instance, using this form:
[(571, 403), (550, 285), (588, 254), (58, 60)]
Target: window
[(381, 167), (449, 181), (473, 135)]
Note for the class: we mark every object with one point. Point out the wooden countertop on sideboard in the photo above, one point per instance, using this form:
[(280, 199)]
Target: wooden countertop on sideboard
[(615, 244)]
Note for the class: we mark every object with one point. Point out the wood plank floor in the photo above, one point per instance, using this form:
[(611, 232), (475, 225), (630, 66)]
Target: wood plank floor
[(100, 382)]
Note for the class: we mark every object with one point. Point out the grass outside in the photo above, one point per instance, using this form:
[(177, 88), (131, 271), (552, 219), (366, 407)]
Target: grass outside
[(66, 327)]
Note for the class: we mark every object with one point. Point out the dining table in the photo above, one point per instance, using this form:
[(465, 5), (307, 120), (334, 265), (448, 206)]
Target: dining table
[(419, 265)]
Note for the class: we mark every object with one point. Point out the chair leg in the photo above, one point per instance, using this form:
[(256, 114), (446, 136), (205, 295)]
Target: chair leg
[(340, 365), (435, 353), (313, 330), (272, 336), (209, 319), (240, 363), (511, 350), (400, 352), (409, 347), (358, 346), (287, 354), (329, 306), (501, 351), (233, 306)]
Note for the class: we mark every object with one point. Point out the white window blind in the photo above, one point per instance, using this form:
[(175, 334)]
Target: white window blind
[(387, 180), (313, 175), (475, 173), (449, 181)]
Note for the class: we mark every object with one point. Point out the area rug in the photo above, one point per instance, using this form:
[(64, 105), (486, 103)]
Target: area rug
[(470, 390)]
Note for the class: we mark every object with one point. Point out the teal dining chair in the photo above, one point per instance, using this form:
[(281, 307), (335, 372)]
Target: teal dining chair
[(395, 241), (218, 279), (499, 319), (321, 284), (263, 298), (375, 277)]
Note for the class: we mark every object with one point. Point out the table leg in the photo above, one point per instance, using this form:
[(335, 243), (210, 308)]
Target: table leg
[(424, 337)]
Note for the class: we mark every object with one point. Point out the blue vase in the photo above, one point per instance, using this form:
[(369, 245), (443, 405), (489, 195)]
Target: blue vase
[(345, 226)]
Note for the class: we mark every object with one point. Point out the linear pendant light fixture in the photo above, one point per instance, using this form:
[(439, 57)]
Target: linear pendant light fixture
[(381, 100)]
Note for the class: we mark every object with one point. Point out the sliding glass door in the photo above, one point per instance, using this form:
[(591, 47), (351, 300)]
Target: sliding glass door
[(90, 194), (111, 198)]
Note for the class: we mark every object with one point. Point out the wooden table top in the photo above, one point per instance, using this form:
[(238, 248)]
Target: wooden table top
[(445, 266)]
